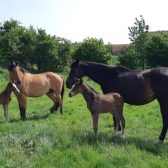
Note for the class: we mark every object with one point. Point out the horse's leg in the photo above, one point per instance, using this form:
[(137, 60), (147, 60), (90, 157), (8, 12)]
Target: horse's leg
[(114, 119), (59, 99), (22, 105), (164, 112), (119, 127), (95, 117), (5, 107), (122, 124), (56, 103)]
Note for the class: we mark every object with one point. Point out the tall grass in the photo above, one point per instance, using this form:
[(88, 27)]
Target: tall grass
[(64, 141)]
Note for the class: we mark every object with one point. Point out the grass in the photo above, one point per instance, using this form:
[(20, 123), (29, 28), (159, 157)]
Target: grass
[(67, 141)]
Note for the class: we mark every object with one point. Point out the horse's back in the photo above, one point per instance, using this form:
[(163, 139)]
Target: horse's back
[(47, 76), (110, 102), (35, 85), (144, 86), (54, 77)]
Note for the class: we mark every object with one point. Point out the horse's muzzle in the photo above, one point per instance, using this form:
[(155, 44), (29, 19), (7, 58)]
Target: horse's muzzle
[(68, 85)]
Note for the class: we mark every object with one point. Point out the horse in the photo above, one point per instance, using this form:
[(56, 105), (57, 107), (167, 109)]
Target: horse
[(5, 98), (98, 103), (36, 85), (136, 87)]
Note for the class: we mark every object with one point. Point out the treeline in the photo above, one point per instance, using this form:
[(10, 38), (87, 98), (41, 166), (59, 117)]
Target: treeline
[(39, 52), (147, 49)]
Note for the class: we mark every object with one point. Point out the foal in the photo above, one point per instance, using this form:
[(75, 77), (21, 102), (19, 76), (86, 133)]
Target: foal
[(98, 103), (5, 98)]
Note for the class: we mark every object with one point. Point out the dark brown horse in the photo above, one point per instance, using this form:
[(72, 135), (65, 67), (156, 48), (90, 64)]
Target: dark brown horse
[(5, 98), (137, 88), (97, 103), (35, 85)]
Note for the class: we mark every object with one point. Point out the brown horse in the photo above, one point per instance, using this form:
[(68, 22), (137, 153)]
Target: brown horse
[(5, 98), (35, 85), (98, 103)]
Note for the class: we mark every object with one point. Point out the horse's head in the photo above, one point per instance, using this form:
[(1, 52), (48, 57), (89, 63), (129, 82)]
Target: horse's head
[(14, 72), (77, 88), (75, 72)]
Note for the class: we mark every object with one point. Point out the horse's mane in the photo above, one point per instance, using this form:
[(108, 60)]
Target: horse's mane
[(24, 70), (107, 68), (91, 88)]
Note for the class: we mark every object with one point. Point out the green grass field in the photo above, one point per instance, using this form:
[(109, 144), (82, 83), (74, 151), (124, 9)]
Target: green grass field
[(47, 140)]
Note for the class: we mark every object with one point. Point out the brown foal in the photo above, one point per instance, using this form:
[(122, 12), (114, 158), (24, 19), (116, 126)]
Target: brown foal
[(98, 103), (5, 98)]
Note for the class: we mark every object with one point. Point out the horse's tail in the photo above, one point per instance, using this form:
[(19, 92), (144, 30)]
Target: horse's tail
[(62, 91), (62, 96)]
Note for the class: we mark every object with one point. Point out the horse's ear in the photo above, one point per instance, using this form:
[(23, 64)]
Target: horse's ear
[(17, 62), (81, 81), (12, 65), (77, 61), (77, 80)]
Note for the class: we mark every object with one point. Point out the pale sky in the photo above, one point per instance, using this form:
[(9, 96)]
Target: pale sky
[(76, 20)]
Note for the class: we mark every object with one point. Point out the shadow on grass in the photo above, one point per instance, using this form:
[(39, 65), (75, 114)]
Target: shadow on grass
[(150, 146), (34, 116)]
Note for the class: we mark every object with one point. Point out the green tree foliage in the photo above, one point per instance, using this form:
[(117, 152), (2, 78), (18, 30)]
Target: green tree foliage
[(129, 59), (36, 50), (64, 53), (46, 51), (10, 33), (138, 35), (157, 52), (92, 49)]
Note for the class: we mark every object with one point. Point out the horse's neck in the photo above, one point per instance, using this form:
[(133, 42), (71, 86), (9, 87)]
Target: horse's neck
[(21, 75), (8, 91), (87, 93), (93, 72), (102, 74)]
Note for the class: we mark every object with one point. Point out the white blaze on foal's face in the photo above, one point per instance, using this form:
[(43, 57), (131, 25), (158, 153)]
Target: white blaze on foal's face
[(16, 87)]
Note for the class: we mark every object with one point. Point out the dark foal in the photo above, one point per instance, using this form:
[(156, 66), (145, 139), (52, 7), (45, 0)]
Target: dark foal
[(98, 103), (5, 98)]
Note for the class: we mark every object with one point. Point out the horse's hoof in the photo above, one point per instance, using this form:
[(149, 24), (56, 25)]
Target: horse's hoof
[(52, 110), (161, 139), (119, 134)]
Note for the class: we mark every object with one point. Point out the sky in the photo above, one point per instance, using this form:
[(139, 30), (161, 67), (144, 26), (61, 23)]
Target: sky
[(76, 20)]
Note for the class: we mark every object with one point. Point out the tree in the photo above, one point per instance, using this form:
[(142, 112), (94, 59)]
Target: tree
[(10, 33), (92, 49), (138, 35), (35, 49), (156, 52), (129, 58), (64, 53)]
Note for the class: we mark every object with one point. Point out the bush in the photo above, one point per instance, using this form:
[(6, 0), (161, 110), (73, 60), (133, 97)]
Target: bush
[(92, 49)]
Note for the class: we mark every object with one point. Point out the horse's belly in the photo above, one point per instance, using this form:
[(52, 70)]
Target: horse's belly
[(37, 92), (138, 100)]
